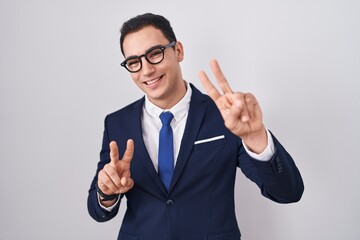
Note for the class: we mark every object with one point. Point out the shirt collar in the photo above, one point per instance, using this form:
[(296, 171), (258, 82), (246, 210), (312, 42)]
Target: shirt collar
[(179, 110)]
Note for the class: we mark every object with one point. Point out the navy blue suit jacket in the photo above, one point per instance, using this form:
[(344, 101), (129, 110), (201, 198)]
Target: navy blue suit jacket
[(200, 203)]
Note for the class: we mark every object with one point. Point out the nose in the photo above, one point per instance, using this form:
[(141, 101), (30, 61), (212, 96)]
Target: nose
[(147, 68)]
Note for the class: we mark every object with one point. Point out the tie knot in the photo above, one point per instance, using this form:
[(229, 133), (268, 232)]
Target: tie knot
[(166, 117)]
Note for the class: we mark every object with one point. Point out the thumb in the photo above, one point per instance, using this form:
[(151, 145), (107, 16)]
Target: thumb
[(114, 153)]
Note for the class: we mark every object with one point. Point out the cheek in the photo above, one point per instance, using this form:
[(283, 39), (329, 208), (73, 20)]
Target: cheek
[(170, 67), (135, 77)]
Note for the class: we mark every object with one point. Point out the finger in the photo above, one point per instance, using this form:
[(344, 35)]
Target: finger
[(127, 182), (114, 153), (105, 184), (112, 174), (223, 83), (252, 106), (228, 100), (209, 87), (239, 104), (129, 152), (235, 113)]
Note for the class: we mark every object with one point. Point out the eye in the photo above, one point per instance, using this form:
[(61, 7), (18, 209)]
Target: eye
[(154, 54), (132, 62)]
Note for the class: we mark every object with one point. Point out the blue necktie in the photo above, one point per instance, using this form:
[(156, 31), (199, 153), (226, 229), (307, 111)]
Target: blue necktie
[(166, 150)]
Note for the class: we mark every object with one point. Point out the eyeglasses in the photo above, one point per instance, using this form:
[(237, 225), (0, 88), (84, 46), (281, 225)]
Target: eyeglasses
[(154, 55)]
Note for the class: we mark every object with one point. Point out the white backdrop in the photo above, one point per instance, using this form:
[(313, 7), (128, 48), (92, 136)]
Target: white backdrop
[(60, 76)]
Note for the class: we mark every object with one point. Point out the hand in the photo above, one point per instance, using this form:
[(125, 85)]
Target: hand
[(241, 111), (115, 178)]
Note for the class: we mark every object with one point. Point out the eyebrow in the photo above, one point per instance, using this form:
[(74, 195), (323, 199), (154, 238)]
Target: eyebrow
[(151, 48)]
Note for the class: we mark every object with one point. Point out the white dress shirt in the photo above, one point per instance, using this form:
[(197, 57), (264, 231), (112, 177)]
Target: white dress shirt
[(151, 125)]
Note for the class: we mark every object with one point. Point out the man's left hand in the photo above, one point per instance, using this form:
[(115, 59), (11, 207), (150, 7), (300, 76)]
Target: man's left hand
[(241, 111)]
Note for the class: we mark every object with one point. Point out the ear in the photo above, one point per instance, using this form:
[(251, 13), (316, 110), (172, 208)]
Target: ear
[(179, 51)]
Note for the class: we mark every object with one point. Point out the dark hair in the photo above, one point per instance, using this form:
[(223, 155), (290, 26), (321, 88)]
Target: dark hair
[(148, 19)]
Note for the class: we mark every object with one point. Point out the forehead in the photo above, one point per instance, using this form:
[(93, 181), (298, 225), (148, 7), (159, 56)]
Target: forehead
[(138, 42)]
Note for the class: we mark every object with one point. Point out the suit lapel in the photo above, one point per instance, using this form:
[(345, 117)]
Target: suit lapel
[(198, 105), (140, 148)]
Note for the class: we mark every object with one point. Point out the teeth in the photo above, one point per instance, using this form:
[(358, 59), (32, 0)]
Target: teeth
[(152, 81)]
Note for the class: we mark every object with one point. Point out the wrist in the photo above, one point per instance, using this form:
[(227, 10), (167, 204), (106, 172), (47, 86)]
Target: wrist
[(256, 141), (107, 205), (105, 197)]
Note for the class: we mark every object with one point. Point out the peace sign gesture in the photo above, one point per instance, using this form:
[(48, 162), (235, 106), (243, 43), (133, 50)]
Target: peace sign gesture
[(241, 111), (115, 177)]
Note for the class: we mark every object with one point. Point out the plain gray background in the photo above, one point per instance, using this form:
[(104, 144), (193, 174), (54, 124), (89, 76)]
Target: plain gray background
[(60, 76)]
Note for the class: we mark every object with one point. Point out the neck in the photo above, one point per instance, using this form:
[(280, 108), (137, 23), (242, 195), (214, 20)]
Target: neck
[(171, 100)]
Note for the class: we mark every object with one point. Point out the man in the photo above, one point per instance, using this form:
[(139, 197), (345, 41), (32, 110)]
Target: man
[(178, 177)]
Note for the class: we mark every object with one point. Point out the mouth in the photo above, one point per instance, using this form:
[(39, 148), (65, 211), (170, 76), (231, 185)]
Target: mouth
[(153, 81)]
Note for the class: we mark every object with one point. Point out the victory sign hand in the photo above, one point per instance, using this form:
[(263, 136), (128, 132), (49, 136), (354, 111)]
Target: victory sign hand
[(241, 111)]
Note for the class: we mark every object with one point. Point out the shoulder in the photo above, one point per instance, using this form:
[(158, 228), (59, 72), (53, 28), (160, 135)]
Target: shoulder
[(126, 111)]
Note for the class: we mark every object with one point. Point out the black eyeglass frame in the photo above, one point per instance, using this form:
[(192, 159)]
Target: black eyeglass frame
[(162, 48)]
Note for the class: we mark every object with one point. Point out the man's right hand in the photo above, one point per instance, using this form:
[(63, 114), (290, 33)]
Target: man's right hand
[(115, 177)]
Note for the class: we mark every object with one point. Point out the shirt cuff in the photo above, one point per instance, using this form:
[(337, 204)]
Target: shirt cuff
[(109, 209), (267, 154)]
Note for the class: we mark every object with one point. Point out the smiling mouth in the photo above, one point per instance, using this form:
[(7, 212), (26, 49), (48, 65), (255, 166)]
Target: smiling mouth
[(153, 81)]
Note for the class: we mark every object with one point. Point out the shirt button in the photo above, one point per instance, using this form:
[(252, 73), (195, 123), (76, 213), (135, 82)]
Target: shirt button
[(169, 202)]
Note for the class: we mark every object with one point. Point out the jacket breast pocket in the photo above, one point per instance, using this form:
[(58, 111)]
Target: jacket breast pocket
[(209, 142)]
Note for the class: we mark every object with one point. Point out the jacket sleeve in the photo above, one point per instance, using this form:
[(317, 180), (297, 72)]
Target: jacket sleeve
[(95, 210), (278, 179)]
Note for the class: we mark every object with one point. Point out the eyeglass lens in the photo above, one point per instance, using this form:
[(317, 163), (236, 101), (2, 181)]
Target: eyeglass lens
[(153, 56)]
